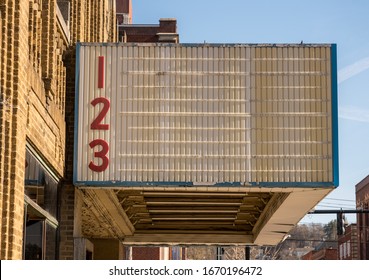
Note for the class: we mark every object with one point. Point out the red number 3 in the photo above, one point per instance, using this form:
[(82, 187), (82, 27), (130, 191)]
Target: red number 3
[(97, 125), (100, 154)]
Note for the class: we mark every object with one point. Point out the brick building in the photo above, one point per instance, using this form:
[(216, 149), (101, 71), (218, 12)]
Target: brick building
[(164, 32), (348, 243), (155, 253), (36, 37), (362, 203), (321, 254), (124, 12)]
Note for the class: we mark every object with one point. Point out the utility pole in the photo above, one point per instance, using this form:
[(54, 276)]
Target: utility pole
[(247, 252), (339, 211), (340, 216)]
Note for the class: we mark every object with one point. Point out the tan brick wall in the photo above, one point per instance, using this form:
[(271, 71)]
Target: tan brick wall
[(45, 124), (93, 21), (32, 104), (14, 87)]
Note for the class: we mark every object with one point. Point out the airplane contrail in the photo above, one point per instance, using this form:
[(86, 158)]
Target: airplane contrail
[(354, 114), (353, 69), (351, 112)]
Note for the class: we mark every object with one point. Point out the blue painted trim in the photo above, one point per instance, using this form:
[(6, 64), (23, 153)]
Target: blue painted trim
[(131, 183), (228, 184), (334, 89), (191, 184), (292, 184), (76, 104), (155, 183)]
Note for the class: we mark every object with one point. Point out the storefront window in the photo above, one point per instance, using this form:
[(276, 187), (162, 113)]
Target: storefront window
[(176, 253), (41, 193), (50, 250), (34, 240)]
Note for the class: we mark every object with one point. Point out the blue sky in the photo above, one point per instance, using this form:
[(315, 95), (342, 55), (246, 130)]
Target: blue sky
[(345, 23)]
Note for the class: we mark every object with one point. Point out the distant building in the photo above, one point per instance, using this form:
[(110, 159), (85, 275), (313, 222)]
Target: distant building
[(362, 202), (124, 11), (164, 32), (322, 254), (299, 253), (348, 243), (324, 251), (155, 253)]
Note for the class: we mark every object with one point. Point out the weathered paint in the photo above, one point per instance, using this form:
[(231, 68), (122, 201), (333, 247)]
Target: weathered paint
[(208, 115)]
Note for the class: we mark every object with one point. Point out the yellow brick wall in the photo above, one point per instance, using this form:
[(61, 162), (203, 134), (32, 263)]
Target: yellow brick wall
[(33, 80), (93, 21), (13, 116)]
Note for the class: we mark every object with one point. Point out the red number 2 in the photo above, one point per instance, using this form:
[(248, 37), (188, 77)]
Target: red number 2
[(100, 154), (96, 124)]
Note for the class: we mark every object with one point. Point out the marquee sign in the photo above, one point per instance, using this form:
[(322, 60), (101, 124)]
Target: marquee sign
[(172, 114)]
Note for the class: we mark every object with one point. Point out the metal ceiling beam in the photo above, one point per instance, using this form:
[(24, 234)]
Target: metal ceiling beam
[(193, 203), (192, 199), (188, 239), (192, 194), (193, 223), (193, 218), (194, 211)]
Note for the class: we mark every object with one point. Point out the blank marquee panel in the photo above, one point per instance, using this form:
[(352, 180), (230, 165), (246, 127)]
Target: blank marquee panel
[(205, 114)]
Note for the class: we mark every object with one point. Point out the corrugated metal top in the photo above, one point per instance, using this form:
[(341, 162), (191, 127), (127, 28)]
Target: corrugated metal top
[(278, 45)]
